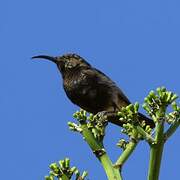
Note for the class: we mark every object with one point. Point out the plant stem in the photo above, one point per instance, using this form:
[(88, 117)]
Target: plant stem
[(64, 177), (171, 129), (111, 172), (98, 149), (94, 144), (145, 135), (156, 153), (126, 153)]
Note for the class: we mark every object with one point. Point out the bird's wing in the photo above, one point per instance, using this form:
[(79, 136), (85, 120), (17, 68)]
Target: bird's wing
[(99, 78), (105, 79)]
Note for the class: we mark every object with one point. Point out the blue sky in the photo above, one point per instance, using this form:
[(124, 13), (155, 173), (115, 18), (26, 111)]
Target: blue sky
[(136, 43)]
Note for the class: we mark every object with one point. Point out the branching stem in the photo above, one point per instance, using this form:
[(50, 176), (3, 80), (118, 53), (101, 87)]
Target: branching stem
[(145, 135), (63, 177), (126, 153), (156, 152), (98, 149), (171, 129)]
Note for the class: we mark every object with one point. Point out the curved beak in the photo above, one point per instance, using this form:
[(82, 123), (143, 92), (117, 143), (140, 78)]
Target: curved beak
[(50, 58)]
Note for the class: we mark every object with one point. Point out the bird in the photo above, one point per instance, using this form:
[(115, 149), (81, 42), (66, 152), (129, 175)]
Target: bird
[(91, 89)]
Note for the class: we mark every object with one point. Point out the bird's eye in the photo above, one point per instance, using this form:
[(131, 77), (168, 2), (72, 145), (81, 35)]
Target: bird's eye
[(70, 64)]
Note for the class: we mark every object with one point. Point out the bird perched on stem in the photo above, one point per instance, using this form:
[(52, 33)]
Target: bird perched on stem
[(91, 89)]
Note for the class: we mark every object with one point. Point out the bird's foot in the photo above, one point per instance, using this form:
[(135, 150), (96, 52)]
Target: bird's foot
[(102, 118), (110, 116)]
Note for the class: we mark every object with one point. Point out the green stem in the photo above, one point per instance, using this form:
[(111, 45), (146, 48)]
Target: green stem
[(126, 153), (156, 153), (98, 149), (92, 142), (63, 177), (171, 129), (111, 172), (145, 135)]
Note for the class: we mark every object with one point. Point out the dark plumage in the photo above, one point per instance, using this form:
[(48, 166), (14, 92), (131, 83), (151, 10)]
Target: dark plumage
[(91, 89)]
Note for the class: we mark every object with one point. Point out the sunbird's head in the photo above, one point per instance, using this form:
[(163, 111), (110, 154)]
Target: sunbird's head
[(65, 62)]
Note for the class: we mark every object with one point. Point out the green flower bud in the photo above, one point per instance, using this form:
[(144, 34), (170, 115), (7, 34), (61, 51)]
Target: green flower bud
[(163, 96), (49, 178), (122, 144), (163, 89), (67, 162), (174, 106), (77, 173), (62, 163), (130, 108), (136, 107), (169, 95), (84, 174), (148, 129), (152, 94), (120, 114), (84, 113), (73, 169), (143, 124), (147, 100), (174, 97), (160, 90), (53, 166), (146, 108), (74, 127)]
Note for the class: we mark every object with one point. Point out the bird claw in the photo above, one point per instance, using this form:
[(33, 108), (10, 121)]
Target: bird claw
[(102, 118)]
